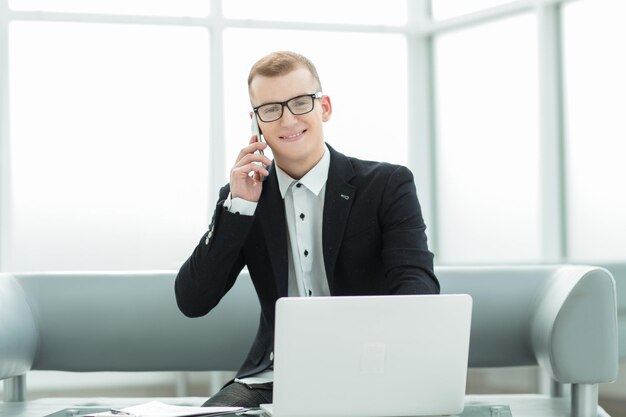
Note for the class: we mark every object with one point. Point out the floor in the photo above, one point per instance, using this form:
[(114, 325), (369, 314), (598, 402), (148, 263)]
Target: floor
[(615, 407)]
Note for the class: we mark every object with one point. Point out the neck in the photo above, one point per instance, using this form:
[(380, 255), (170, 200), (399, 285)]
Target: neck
[(298, 169)]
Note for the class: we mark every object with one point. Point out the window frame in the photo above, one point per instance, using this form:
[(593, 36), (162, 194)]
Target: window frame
[(420, 30)]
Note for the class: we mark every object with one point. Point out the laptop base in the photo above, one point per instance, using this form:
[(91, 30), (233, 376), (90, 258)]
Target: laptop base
[(469, 410)]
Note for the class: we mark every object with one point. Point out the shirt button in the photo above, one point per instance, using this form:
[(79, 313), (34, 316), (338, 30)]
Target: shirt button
[(298, 185), (302, 216), (306, 252), (272, 356)]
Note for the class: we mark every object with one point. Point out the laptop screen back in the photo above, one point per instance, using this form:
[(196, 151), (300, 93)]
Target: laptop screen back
[(371, 355)]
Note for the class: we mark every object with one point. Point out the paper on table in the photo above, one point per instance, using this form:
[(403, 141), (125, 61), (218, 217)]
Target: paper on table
[(159, 409)]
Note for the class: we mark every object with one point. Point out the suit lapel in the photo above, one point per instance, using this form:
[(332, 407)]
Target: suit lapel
[(271, 212), (337, 204)]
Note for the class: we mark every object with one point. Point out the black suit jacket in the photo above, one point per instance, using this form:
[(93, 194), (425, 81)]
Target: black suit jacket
[(373, 236)]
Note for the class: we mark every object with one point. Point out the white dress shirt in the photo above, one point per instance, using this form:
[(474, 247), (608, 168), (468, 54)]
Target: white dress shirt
[(304, 207)]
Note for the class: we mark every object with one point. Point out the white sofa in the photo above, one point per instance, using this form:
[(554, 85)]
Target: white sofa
[(562, 318)]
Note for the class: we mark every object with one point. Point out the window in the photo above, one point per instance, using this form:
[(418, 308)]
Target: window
[(117, 143), (488, 143), (595, 89), (109, 128), (446, 9), (390, 12), (194, 8)]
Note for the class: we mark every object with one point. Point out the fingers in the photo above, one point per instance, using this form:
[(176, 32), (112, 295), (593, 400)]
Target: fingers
[(249, 170), (253, 158), (253, 146), (250, 163), (249, 154), (246, 179)]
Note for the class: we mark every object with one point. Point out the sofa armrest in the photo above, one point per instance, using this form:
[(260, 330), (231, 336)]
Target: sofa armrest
[(18, 331), (574, 328), (561, 317)]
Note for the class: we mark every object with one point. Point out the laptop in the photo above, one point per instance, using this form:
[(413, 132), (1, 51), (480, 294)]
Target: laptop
[(370, 356)]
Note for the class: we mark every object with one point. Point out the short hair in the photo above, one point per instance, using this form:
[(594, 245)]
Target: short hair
[(280, 63)]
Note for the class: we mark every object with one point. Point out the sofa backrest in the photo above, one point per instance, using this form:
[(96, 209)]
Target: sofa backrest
[(129, 321), (561, 317)]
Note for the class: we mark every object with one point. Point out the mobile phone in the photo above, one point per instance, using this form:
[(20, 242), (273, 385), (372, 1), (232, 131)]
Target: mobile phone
[(256, 130), (259, 137)]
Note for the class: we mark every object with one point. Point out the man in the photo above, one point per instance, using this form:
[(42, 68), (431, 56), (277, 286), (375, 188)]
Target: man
[(311, 223)]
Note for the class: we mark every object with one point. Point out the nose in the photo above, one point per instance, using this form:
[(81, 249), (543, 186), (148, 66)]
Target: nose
[(288, 117)]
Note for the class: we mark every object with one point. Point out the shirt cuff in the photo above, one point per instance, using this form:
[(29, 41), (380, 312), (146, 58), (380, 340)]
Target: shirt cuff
[(260, 378), (240, 206)]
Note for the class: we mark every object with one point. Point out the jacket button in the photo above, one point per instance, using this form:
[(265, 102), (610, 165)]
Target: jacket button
[(272, 356)]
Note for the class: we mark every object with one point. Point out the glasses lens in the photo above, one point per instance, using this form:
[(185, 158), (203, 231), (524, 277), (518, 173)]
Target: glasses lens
[(270, 112), (301, 105)]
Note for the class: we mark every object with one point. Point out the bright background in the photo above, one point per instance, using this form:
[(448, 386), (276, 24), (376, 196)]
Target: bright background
[(120, 120)]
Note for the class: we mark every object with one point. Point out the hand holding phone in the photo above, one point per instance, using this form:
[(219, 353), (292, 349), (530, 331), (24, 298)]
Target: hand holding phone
[(250, 169)]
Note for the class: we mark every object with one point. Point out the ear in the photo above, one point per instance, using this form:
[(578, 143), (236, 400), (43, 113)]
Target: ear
[(327, 108)]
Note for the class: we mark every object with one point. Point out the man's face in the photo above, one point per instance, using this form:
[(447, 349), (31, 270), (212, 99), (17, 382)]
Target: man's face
[(297, 141)]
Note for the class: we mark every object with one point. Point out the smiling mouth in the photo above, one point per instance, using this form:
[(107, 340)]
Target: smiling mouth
[(293, 136)]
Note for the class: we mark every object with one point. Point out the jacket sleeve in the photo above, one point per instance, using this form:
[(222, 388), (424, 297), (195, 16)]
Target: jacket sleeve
[(215, 263), (407, 261)]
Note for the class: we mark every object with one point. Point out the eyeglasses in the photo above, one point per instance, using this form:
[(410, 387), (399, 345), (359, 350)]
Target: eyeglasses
[(303, 104)]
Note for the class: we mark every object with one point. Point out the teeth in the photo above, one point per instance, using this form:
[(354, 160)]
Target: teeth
[(293, 136)]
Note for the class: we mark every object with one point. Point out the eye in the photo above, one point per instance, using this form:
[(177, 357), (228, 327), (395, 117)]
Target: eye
[(300, 103), (270, 109)]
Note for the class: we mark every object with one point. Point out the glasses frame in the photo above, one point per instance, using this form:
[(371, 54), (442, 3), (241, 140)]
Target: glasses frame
[(284, 104)]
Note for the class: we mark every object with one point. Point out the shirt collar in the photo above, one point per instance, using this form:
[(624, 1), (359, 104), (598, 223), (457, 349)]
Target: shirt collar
[(314, 180)]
